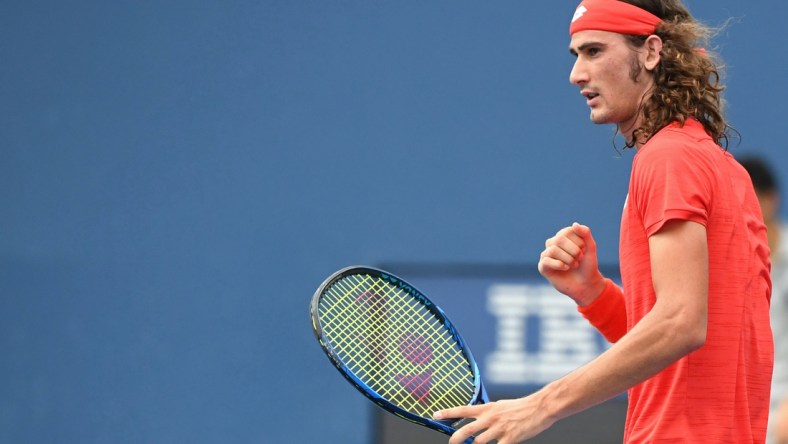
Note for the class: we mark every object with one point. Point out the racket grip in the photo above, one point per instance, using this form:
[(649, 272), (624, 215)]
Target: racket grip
[(471, 440), (462, 422)]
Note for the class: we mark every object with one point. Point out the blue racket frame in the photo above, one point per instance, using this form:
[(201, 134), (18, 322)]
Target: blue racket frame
[(444, 426)]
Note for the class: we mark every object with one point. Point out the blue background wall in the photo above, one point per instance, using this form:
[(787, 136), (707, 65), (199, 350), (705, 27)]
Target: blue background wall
[(176, 178)]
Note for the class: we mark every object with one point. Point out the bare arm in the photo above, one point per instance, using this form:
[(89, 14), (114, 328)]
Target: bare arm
[(674, 327)]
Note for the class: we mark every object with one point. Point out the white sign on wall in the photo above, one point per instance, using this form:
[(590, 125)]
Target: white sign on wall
[(540, 336)]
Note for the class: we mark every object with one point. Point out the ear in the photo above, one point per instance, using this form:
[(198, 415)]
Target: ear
[(653, 48)]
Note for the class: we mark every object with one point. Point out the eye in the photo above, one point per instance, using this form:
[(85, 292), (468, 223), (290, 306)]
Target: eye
[(592, 51)]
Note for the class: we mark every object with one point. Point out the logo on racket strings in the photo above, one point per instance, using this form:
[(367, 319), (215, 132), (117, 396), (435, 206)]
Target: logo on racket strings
[(417, 350)]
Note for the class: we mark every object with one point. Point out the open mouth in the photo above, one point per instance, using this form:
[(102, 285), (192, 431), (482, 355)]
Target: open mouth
[(590, 96)]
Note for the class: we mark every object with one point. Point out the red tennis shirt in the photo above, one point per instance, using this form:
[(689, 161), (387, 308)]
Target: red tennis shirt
[(720, 392)]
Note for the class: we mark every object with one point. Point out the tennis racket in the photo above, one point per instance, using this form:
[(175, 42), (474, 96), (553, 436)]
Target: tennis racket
[(395, 346)]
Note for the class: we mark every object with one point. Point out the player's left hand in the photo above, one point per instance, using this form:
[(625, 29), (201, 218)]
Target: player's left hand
[(508, 421)]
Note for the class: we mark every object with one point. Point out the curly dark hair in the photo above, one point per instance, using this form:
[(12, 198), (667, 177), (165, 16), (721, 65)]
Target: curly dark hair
[(687, 79)]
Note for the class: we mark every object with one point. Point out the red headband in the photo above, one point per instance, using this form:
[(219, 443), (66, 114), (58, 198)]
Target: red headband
[(613, 16)]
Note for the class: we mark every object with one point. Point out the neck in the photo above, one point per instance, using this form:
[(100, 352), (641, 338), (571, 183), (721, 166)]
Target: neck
[(629, 128), (629, 131)]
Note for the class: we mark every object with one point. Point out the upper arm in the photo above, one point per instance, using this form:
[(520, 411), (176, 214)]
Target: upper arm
[(679, 271)]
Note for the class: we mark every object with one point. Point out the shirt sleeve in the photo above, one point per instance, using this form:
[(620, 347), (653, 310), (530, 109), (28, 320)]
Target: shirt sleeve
[(673, 182)]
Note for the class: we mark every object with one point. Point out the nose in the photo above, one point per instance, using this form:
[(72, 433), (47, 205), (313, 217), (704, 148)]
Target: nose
[(578, 75)]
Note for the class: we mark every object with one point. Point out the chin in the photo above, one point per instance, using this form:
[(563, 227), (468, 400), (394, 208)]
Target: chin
[(599, 119), (603, 118)]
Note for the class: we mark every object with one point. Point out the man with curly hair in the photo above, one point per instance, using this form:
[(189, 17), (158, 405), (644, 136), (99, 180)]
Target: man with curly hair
[(690, 325)]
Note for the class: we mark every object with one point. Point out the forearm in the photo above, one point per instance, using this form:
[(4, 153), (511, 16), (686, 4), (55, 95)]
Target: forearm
[(675, 326), (655, 343)]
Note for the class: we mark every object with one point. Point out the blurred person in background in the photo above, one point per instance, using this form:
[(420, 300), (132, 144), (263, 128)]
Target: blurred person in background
[(767, 189)]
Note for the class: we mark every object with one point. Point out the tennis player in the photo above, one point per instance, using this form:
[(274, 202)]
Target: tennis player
[(690, 327)]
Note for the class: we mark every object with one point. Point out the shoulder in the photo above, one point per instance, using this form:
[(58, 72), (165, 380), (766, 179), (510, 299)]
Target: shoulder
[(677, 138), (681, 147)]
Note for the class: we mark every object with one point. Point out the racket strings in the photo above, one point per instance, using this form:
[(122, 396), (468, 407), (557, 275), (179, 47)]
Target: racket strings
[(419, 386), (425, 317), (395, 345)]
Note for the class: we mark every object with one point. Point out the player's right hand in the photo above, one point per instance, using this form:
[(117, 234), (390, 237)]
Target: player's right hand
[(569, 263)]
